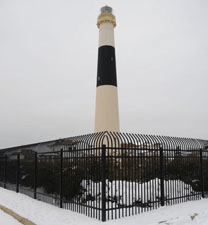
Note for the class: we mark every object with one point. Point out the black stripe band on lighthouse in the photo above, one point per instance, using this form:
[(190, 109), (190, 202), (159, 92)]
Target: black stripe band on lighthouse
[(106, 113)]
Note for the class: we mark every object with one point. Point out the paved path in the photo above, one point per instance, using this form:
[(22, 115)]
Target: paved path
[(9, 217), (6, 219)]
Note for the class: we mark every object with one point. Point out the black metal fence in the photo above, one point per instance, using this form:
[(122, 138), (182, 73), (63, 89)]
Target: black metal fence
[(109, 175)]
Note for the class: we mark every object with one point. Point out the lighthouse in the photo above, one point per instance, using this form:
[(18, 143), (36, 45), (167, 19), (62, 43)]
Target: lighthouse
[(106, 110)]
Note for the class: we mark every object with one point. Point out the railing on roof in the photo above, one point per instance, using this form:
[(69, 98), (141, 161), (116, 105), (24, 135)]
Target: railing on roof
[(114, 139)]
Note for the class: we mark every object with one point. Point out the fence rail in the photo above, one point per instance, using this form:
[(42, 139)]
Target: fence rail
[(109, 175)]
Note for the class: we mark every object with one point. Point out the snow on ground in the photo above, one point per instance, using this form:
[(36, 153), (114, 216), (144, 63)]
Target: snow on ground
[(127, 193), (5, 219), (195, 212)]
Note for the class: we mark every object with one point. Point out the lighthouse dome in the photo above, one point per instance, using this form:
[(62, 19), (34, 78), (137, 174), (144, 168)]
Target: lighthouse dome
[(106, 9)]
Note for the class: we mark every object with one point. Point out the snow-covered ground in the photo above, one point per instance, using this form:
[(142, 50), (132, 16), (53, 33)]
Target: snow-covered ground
[(5, 219), (193, 212), (127, 193)]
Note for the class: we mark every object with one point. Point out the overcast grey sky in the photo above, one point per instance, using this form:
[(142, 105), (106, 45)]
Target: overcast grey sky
[(48, 68)]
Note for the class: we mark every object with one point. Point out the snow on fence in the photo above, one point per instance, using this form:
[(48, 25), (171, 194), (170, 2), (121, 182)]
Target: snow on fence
[(108, 175)]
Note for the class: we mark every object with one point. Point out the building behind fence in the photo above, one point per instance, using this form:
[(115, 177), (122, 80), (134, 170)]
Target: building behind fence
[(108, 175)]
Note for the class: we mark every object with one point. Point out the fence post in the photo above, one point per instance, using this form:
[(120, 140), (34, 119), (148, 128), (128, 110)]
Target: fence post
[(103, 183), (161, 177), (201, 173), (5, 171), (61, 178), (35, 176), (18, 172)]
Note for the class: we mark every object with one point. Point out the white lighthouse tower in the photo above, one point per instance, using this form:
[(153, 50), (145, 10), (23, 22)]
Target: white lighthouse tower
[(106, 113)]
